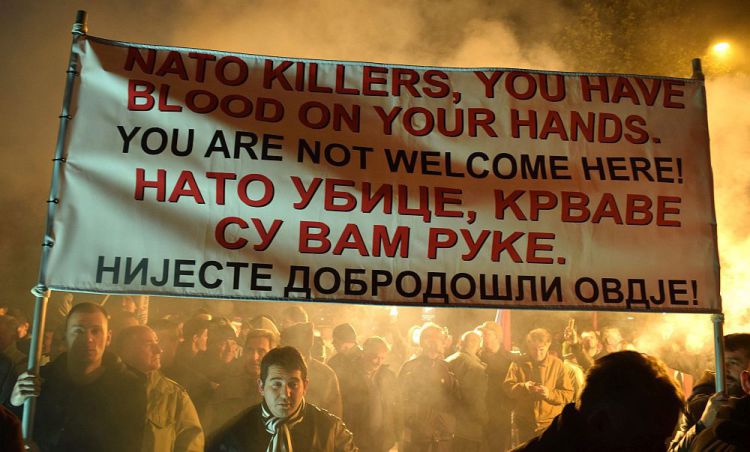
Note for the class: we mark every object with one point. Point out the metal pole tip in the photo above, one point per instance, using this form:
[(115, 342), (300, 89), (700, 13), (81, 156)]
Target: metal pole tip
[(698, 69), (81, 26)]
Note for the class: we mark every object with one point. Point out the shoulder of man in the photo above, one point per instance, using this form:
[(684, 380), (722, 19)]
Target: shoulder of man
[(321, 417), (166, 383), (233, 433)]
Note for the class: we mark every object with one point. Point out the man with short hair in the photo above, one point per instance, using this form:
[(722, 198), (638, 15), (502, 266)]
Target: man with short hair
[(730, 429), (8, 337), (324, 389), (173, 423), (178, 359), (195, 340), (697, 416), (284, 421), (429, 394), (630, 404), (347, 350), (87, 399), (221, 351), (471, 411), (539, 385), (369, 394), (497, 360), (239, 391)]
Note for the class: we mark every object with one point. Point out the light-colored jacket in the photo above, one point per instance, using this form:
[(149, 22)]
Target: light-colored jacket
[(172, 423), (532, 410)]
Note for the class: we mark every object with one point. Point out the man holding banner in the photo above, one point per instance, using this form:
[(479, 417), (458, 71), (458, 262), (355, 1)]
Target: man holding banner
[(87, 399), (260, 178)]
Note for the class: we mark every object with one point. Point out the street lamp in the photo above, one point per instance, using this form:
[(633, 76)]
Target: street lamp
[(721, 49)]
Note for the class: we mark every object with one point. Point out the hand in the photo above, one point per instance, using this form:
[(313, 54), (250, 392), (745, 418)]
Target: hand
[(715, 403), (529, 385), (570, 335), (27, 385), (542, 391)]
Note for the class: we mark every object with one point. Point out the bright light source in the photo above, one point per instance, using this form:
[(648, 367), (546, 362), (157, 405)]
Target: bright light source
[(721, 48)]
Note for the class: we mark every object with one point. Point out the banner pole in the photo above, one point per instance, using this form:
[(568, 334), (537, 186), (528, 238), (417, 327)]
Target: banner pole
[(717, 319), (721, 376), (40, 291)]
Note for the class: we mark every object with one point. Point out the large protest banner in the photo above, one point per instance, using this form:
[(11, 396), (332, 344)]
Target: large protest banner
[(210, 174)]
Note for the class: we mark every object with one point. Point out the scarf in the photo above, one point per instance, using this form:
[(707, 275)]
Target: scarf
[(280, 428)]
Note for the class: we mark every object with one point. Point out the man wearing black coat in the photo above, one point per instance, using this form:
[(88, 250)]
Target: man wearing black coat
[(284, 421), (87, 399)]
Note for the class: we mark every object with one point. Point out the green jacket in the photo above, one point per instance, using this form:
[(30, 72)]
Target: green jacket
[(171, 420)]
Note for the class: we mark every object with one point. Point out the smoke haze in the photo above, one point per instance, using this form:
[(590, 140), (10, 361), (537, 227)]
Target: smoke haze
[(533, 34)]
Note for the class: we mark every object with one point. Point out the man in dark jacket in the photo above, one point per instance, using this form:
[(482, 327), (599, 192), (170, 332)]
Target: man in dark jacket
[(283, 421), (88, 400), (429, 395), (498, 360), (471, 411), (630, 404), (730, 431), (368, 390), (695, 418)]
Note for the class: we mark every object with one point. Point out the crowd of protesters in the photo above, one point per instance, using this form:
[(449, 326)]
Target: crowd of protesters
[(119, 378)]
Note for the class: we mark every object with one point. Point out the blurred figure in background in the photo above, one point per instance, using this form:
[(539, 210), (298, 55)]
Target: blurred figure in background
[(292, 315), (499, 403), (585, 348), (23, 340), (471, 410), (324, 389), (194, 340), (177, 359), (429, 396), (172, 421), (347, 350), (8, 337), (369, 395), (539, 385), (630, 403), (239, 390), (221, 350)]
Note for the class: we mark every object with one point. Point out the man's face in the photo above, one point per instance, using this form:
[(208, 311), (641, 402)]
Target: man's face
[(169, 341), (226, 350), (432, 341), (590, 343), (490, 340), (612, 340), (283, 391), (201, 340), (128, 304), (538, 350), (86, 337), (735, 361), (373, 358), (342, 347), (255, 349), (745, 381), (143, 352)]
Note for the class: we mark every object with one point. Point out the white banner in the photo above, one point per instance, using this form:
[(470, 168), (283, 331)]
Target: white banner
[(209, 174)]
